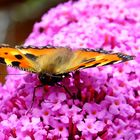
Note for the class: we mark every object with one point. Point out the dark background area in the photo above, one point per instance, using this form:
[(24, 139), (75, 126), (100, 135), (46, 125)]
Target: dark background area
[(17, 18)]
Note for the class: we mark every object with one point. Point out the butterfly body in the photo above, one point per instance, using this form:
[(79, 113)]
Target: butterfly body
[(52, 64), (56, 63), (46, 79)]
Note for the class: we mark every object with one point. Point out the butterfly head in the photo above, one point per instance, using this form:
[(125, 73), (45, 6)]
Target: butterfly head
[(48, 79)]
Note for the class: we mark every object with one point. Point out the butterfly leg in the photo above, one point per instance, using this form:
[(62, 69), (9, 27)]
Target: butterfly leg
[(76, 76), (66, 89), (33, 98)]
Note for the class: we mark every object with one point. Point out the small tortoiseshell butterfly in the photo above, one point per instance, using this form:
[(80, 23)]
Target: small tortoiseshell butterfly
[(53, 64)]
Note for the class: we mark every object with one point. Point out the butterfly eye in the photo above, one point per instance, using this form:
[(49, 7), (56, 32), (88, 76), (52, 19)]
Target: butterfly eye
[(44, 79), (47, 79)]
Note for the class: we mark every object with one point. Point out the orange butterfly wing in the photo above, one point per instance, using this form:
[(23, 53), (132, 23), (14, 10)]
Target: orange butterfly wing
[(23, 58), (85, 58), (81, 58), (12, 57), (38, 60), (46, 50)]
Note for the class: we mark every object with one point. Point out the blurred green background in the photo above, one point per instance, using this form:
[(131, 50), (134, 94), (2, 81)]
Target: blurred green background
[(17, 18)]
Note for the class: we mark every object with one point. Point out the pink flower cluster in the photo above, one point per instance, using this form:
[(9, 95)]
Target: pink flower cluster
[(106, 100)]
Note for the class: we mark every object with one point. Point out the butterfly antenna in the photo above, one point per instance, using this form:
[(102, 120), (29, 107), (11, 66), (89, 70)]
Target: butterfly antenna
[(10, 74)]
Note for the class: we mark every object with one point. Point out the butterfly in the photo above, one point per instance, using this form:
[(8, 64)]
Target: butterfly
[(52, 64)]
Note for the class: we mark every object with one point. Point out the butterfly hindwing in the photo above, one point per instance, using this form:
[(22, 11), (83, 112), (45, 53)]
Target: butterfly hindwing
[(49, 59)]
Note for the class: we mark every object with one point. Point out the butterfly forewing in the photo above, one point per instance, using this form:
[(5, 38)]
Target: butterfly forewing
[(92, 58), (12, 57), (37, 51)]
